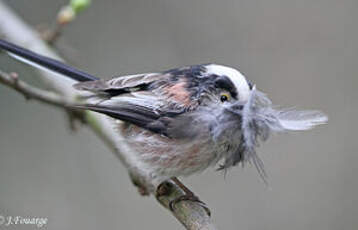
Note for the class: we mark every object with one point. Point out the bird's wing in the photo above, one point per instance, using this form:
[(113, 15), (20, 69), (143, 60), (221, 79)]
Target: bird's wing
[(122, 84), (151, 101)]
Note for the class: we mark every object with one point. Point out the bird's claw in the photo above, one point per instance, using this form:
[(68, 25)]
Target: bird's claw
[(189, 197)]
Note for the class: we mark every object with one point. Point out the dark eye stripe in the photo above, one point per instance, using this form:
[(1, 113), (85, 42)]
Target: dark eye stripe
[(223, 82)]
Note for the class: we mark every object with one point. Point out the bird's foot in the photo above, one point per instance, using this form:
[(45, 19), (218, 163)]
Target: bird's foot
[(189, 197), (164, 189)]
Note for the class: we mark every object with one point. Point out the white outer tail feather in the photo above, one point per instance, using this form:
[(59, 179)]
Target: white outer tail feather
[(37, 66)]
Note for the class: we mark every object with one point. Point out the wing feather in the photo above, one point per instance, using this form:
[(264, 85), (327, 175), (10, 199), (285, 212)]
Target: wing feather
[(137, 111), (122, 84), (151, 100)]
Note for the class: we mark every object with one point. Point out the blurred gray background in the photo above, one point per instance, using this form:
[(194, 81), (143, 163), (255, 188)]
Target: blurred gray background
[(301, 53)]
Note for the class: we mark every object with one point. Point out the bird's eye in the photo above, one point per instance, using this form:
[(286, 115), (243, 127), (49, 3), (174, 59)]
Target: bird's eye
[(224, 97)]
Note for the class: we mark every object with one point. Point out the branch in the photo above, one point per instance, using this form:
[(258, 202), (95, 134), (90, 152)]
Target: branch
[(191, 215), (12, 80)]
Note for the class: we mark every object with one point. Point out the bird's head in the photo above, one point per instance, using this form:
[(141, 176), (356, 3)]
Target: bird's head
[(243, 111)]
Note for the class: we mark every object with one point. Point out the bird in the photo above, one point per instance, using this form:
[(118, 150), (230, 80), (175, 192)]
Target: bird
[(181, 121)]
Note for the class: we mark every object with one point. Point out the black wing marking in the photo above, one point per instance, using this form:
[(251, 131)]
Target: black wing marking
[(142, 116)]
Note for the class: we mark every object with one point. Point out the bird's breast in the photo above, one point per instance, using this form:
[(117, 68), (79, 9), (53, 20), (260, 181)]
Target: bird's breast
[(161, 155)]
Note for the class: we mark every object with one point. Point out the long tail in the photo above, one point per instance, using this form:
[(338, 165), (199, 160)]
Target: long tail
[(39, 61)]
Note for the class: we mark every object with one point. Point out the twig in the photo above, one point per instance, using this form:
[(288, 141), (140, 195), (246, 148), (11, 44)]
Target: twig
[(12, 80), (29, 92), (66, 15), (190, 214), (51, 36)]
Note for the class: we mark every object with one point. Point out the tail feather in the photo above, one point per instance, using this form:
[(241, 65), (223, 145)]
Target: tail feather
[(39, 61)]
